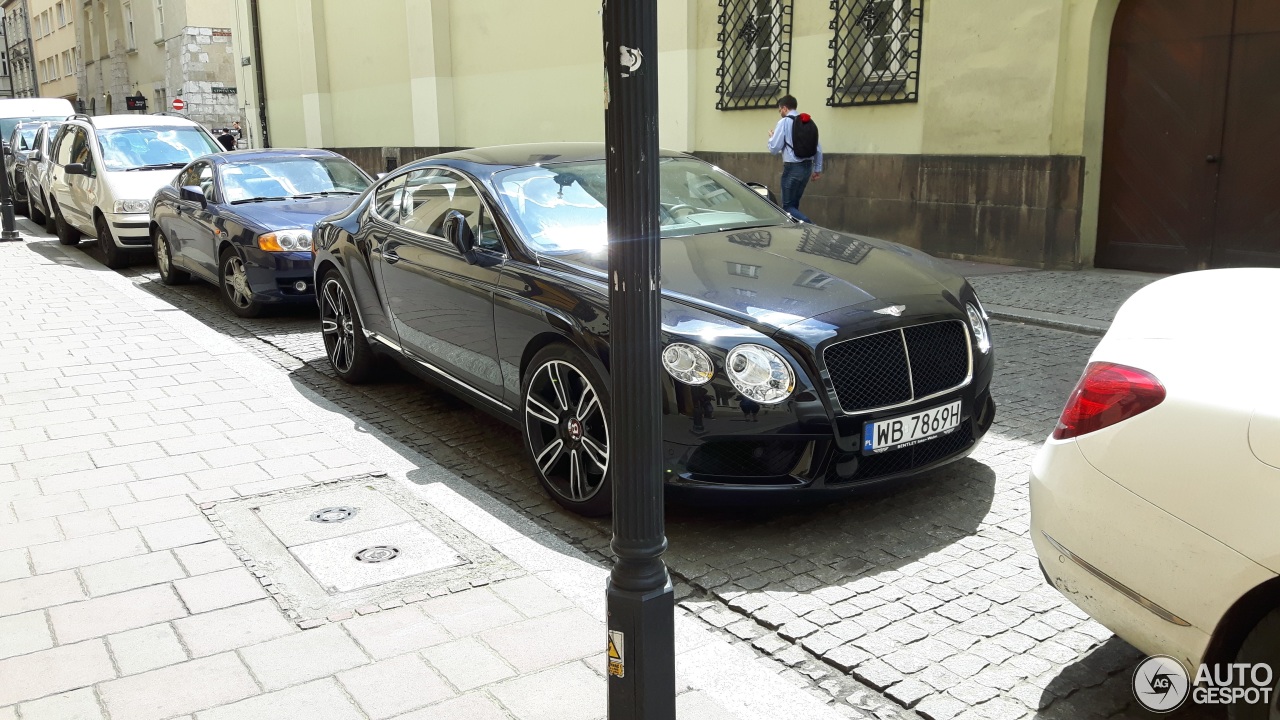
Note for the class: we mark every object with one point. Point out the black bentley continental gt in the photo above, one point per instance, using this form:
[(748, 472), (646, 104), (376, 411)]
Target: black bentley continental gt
[(798, 359)]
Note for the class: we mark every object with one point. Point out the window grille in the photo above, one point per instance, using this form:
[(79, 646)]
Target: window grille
[(875, 52), (755, 53)]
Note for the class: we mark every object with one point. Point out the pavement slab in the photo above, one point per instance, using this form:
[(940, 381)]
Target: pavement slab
[(857, 581)]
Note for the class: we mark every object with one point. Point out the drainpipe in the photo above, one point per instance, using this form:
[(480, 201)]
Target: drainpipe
[(258, 73)]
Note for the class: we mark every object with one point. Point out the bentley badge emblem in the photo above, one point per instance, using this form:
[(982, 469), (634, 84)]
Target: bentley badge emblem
[(894, 310)]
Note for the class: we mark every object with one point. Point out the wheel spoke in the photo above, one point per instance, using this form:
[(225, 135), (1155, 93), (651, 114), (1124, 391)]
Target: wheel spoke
[(577, 488), (536, 408), (328, 327), (329, 299), (598, 454), (588, 402), (549, 455), (557, 382)]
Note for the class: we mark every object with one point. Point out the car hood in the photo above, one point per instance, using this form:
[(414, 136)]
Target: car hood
[(292, 213), (140, 184), (780, 275)]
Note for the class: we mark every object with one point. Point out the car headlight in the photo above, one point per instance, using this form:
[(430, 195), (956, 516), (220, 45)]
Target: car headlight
[(687, 363), (132, 206), (979, 327), (760, 373), (286, 241)]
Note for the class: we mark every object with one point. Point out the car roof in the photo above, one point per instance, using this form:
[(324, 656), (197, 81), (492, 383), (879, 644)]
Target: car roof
[(268, 154), (122, 121), (534, 153)]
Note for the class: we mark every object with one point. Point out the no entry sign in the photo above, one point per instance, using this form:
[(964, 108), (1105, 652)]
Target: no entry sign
[(179, 104)]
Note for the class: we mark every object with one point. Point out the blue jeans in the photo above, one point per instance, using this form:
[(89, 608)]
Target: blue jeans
[(795, 177)]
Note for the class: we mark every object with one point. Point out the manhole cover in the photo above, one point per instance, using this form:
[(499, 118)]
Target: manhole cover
[(333, 514), (378, 553)]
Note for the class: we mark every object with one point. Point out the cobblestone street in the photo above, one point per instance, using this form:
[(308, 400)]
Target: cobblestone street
[(925, 599)]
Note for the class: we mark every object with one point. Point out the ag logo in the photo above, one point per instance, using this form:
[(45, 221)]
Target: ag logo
[(1160, 683)]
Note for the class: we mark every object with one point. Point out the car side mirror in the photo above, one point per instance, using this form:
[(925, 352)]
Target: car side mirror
[(381, 175), (193, 194), (459, 232), (763, 191), (77, 169), (8, 150)]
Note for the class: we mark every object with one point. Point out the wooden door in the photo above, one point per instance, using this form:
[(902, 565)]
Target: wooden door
[(1166, 90), (1247, 217)]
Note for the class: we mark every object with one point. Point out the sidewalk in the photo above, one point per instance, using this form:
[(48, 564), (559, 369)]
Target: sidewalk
[(180, 523), (1082, 301)]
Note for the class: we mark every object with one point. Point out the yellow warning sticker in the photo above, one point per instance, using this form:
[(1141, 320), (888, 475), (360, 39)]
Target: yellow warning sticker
[(616, 668)]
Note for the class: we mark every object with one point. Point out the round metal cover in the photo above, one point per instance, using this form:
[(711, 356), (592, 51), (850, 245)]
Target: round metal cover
[(333, 514), (378, 553)]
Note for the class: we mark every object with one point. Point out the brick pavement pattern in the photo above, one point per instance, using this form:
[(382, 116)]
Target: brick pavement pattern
[(918, 601), (119, 599)]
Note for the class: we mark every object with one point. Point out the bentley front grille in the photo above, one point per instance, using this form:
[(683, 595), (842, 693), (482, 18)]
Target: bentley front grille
[(897, 367)]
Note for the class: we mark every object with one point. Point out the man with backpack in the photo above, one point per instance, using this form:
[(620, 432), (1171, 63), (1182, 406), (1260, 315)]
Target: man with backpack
[(796, 138)]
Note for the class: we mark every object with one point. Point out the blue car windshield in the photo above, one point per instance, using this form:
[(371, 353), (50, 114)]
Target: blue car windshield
[(291, 177), (561, 208), (148, 147)]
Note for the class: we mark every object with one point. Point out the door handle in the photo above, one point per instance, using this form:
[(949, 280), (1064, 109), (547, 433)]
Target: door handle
[(390, 256)]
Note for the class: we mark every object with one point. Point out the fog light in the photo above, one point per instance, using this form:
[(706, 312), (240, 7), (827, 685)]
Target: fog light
[(300, 286)]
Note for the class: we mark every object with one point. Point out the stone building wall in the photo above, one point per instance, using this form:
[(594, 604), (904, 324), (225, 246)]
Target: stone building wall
[(201, 69)]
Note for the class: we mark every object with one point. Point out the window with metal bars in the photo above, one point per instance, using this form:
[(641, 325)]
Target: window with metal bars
[(755, 53), (875, 51)]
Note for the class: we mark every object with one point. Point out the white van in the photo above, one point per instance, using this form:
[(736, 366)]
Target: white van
[(16, 110)]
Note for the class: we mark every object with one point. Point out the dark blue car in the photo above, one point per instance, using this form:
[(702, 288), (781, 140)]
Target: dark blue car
[(243, 221)]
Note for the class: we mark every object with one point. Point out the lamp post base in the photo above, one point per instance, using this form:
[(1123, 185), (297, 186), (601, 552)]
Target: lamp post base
[(646, 621), (9, 236)]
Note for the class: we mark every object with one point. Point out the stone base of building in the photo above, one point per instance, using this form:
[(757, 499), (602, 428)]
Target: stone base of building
[(1012, 210)]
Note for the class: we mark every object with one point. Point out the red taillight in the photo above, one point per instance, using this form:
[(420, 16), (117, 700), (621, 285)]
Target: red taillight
[(1106, 394)]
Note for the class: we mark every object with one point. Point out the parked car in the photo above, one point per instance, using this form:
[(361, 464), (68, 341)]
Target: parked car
[(16, 110), (243, 220), (107, 168), (1153, 504), (16, 151), (36, 174), (797, 359)]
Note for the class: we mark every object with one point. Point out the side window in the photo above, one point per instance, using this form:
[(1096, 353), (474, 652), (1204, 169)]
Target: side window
[(488, 237), (205, 180), (190, 177), (62, 154), (80, 148), (429, 194), (388, 200)]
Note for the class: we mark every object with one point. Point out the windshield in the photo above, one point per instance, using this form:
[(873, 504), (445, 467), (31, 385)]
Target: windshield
[(560, 208), (145, 148), (291, 177), (8, 124)]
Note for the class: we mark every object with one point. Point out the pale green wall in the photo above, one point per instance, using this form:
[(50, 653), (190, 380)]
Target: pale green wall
[(1010, 79)]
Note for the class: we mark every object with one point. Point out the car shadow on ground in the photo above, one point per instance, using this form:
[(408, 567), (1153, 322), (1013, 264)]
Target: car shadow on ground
[(1102, 681)]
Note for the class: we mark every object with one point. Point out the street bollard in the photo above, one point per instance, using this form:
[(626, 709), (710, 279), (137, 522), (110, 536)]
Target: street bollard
[(8, 224)]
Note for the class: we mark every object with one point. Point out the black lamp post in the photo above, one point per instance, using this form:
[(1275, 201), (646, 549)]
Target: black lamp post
[(640, 597), (8, 225)]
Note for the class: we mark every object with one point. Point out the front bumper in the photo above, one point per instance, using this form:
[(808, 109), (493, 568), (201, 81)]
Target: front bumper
[(273, 276), (1158, 583), (131, 230), (797, 447)]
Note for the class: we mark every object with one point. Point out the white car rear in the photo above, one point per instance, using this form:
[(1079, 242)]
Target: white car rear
[(1155, 506)]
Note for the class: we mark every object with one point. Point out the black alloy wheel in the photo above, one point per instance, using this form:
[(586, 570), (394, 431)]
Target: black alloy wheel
[(344, 341), (112, 256), (566, 426), (67, 235), (234, 282), (169, 275)]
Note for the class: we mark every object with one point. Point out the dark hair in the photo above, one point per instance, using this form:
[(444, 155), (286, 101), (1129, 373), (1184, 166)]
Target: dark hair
[(788, 102)]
